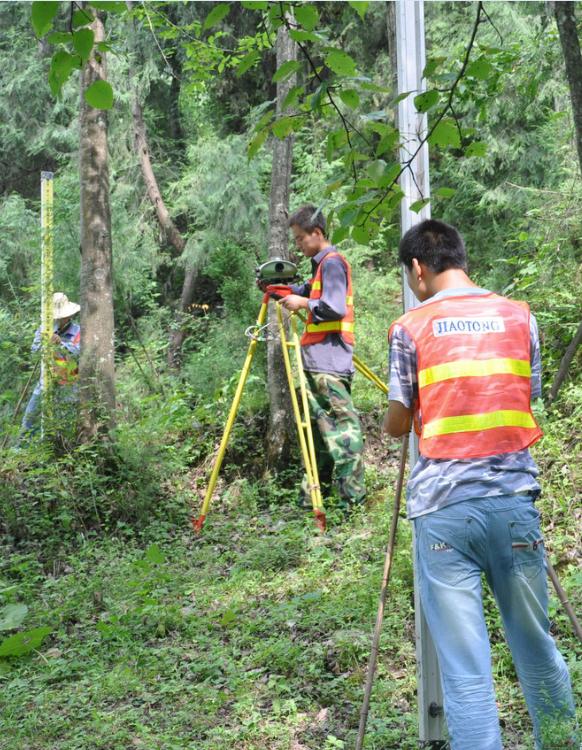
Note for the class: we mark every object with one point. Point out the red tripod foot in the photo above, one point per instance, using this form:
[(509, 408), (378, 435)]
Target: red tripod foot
[(320, 520), (198, 523)]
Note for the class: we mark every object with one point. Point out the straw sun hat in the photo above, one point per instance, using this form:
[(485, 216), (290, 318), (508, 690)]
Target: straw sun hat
[(62, 307)]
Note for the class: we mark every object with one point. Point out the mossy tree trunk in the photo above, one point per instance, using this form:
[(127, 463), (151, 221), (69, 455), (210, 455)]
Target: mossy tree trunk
[(566, 21), (97, 366), (281, 429)]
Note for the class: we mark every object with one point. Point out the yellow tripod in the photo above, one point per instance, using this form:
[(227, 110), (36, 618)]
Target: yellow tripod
[(300, 411)]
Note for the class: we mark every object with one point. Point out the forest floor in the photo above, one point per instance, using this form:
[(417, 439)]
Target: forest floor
[(254, 635)]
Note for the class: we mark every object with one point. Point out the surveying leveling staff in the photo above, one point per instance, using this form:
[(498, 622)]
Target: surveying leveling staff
[(467, 362), (327, 348)]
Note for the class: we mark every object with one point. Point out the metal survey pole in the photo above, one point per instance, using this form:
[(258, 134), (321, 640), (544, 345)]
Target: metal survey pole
[(46, 306), (415, 185)]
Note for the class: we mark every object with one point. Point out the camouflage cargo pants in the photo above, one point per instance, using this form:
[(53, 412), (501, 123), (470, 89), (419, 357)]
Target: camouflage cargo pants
[(337, 435)]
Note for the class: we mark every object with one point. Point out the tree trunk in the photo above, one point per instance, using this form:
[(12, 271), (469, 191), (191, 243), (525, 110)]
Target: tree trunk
[(178, 333), (280, 430), (565, 364), (566, 21), (171, 233), (392, 54), (96, 367)]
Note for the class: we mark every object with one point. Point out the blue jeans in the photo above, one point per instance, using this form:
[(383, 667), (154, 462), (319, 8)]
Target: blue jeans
[(65, 402), (500, 537)]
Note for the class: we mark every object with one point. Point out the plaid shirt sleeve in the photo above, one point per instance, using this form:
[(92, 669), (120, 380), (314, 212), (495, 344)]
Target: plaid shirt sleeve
[(535, 358), (402, 368), (71, 341)]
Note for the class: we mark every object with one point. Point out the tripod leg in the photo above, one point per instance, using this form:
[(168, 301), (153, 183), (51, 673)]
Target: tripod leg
[(362, 367), (302, 420), (382, 603), (563, 598), (367, 373), (318, 509), (199, 522)]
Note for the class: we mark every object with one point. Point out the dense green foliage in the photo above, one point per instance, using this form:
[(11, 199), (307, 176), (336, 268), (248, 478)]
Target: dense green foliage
[(256, 634)]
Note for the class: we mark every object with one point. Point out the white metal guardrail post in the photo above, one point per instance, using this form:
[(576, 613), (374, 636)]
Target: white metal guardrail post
[(415, 184)]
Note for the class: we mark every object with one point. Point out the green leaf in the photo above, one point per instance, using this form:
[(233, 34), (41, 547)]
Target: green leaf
[(247, 62), (480, 69), (82, 18), (58, 37), (284, 126), (307, 15), (378, 115), (334, 185), (315, 101), (445, 192), (286, 70), (361, 235), (155, 555), (99, 95), (265, 120), (389, 176), (432, 65), (387, 143), (216, 15), (445, 134), (12, 615), (340, 234), (274, 15), (350, 98), (427, 100), (228, 618), (359, 7), (298, 35), (419, 205), (341, 63), (257, 142), (62, 65), (293, 97), (337, 138), (347, 215), (255, 5), (368, 86), (376, 169), (477, 148), (24, 643), (42, 16), (83, 43), (397, 99), (103, 47), (109, 5)]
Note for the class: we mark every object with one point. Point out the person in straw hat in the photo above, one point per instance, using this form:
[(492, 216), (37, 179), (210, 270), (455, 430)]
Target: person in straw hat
[(66, 340)]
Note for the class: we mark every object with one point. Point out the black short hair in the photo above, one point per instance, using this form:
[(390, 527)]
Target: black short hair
[(436, 244), (309, 218)]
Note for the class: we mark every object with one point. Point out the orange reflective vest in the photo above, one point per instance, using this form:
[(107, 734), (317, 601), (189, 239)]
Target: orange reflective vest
[(316, 332), (65, 369), (474, 376)]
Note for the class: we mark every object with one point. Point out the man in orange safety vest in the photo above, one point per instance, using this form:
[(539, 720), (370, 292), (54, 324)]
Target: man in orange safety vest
[(327, 353), (464, 366)]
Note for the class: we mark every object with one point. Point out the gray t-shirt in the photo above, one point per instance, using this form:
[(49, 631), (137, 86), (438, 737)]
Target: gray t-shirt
[(436, 483), (333, 354)]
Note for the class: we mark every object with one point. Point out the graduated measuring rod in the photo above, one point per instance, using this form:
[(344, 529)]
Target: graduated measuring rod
[(46, 327), (300, 407)]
